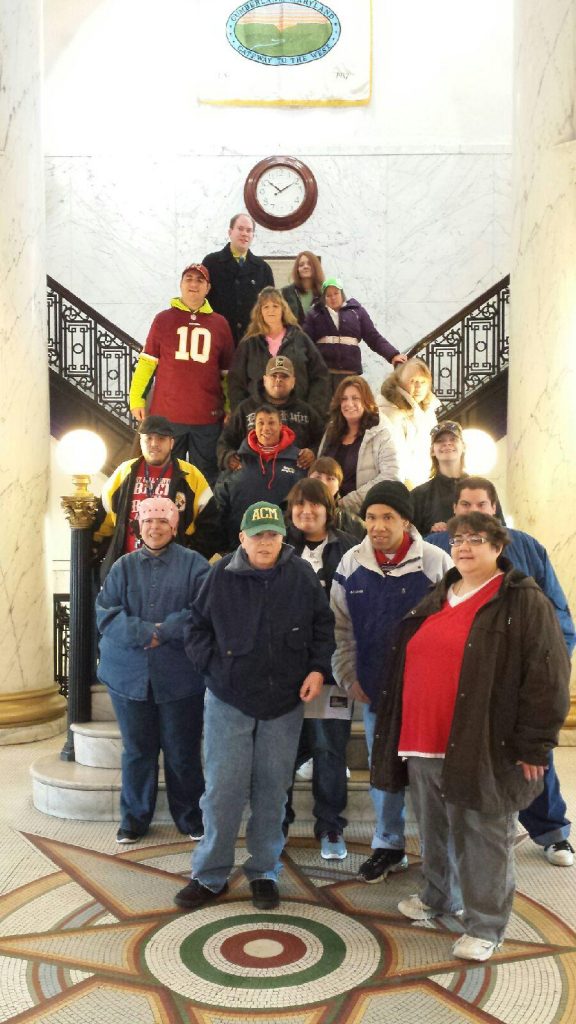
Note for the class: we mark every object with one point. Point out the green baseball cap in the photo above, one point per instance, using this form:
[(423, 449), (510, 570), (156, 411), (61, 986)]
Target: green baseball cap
[(332, 282), (260, 516)]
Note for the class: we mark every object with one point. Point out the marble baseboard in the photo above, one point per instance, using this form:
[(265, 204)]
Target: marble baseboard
[(32, 733)]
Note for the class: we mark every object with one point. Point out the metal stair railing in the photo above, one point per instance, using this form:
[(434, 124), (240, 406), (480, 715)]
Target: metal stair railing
[(468, 350), (90, 352)]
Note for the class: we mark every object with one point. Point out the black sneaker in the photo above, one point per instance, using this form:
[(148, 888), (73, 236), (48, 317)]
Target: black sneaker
[(195, 895), (124, 835), (265, 895), (382, 863)]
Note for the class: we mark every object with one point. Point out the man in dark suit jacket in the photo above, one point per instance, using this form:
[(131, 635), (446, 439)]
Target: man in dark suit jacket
[(237, 276)]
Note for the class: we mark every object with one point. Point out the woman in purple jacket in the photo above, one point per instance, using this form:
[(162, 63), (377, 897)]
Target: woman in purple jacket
[(338, 325)]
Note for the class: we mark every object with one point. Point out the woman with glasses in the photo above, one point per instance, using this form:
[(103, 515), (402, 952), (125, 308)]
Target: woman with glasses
[(479, 693)]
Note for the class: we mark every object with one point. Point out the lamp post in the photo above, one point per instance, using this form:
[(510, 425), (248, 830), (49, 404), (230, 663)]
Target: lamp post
[(80, 453)]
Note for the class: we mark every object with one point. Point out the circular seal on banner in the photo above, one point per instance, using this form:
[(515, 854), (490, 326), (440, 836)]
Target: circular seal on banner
[(276, 34)]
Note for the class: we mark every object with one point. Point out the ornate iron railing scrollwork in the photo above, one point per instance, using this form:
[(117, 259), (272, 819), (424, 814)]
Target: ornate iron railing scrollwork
[(61, 636), (90, 352), (469, 349)]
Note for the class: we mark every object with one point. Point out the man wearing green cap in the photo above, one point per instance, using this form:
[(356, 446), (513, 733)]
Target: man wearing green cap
[(262, 634), (338, 325)]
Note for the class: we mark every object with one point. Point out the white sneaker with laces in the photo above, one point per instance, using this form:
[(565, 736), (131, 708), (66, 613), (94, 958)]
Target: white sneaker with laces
[(468, 947), (560, 854)]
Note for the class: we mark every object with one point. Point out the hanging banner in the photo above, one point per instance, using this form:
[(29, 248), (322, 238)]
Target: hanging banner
[(301, 53)]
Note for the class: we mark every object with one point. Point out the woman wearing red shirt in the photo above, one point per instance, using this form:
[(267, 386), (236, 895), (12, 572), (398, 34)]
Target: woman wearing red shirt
[(478, 698)]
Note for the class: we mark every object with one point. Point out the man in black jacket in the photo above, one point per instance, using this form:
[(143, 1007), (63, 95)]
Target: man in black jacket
[(276, 389), (155, 474), (262, 634), (237, 276)]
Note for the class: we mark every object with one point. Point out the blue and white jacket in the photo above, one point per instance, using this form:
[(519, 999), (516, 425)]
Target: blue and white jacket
[(369, 604)]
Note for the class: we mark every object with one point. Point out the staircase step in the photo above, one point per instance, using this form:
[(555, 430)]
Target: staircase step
[(67, 789), (97, 744), (102, 710)]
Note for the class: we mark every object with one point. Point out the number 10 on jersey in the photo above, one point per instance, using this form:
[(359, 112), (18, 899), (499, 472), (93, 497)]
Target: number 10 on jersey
[(193, 343)]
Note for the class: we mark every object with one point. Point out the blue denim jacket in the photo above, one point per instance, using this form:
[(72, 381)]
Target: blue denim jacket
[(141, 590)]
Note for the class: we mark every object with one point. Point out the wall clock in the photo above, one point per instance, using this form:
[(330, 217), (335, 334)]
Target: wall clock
[(280, 193)]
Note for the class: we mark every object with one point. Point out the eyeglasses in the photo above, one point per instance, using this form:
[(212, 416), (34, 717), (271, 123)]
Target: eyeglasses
[(474, 539)]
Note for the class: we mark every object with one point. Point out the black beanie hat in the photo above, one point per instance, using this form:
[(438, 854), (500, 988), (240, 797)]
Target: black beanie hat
[(392, 493)]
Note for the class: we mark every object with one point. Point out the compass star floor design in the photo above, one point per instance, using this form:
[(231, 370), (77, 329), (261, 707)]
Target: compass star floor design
[(94, 937), (113, 947)]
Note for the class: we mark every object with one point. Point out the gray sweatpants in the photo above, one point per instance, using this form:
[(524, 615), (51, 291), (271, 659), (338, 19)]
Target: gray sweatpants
[(468, 857)]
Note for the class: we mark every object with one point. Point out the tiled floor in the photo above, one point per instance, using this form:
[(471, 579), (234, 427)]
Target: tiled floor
[(89, 933)]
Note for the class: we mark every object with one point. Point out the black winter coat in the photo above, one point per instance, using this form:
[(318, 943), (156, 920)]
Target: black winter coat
[(256, 636), (234, 288), (513, 696), (252, 355)]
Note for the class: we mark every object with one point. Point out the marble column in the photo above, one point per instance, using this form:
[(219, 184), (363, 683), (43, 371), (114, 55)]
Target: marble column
[(30, 706), (542, 396)]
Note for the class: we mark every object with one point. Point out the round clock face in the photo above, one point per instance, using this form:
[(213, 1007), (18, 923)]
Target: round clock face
[(280, 192)]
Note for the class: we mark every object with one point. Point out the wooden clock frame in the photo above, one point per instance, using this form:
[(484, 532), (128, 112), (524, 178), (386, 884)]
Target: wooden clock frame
[(292, 220)]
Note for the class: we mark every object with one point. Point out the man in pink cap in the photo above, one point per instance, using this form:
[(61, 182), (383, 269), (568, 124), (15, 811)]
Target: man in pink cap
[(187, 352), (157, 695)]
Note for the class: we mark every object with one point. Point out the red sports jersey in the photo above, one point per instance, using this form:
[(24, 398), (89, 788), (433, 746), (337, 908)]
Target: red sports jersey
[(193, 350)]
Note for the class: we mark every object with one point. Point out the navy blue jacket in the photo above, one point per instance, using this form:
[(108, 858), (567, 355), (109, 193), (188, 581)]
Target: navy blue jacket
[(256, 635), (256, 481), (530, 557), (141, 590)]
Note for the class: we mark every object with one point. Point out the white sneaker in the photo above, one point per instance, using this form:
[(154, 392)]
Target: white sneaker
[(416, 910), (413, 908), (560, 854), (305, 771), (468, 947)]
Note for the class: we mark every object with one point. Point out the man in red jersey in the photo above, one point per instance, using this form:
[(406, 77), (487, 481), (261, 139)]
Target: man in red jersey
[(187, 352)]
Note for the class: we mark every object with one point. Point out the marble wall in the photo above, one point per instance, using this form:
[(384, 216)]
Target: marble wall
[(414, 236), (413, 208), (27, 693), (542, 410)]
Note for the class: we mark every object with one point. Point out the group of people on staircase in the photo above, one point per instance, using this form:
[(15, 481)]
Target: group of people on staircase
[(360, 563)]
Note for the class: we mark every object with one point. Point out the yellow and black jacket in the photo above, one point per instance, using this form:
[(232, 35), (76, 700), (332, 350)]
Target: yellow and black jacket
[(199, 526)]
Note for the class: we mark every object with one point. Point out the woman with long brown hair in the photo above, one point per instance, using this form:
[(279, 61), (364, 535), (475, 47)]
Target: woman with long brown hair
[(359, 442), (306, 287), (273, 332)]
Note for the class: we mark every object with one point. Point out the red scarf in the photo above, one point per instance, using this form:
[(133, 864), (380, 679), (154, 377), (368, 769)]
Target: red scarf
[(398, 556), (269, 453)]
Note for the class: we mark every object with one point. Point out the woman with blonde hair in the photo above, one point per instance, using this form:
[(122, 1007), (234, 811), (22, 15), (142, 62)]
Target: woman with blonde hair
[(359, 442), (307, 278), (409, 405), (273, 334)]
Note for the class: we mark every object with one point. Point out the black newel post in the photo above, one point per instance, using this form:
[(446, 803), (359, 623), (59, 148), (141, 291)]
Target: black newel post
[(80, 510)]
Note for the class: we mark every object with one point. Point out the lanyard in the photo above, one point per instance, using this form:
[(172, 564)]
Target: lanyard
[(150, 485)]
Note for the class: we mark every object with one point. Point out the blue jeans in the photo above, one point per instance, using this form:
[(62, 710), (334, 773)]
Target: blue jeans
[(197, 444), (325, 741), (545, 819), (247, 760), (176, 728), (389, 807)]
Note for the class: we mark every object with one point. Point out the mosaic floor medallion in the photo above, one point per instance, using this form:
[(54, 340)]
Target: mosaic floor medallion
[(100, 939)]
